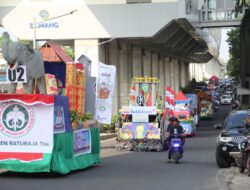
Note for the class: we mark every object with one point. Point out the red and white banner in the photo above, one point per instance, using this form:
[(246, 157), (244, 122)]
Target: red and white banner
[(170, 94), (26, 126)]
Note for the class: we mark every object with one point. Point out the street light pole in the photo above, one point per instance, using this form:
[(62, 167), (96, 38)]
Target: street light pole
[(34, 36), (35, 24)]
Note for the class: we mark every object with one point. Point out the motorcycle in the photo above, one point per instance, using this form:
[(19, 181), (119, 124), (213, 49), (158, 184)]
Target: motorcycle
[(176, 148), (216, 105), (244, 161)]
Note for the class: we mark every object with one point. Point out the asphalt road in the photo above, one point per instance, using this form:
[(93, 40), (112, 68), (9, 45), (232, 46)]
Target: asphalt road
[(137, 170)]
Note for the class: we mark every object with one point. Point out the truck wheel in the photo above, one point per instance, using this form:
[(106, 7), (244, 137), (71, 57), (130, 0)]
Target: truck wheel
[(221, 162)]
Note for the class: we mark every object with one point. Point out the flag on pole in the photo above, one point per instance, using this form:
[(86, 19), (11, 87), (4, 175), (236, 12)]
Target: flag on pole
[(170, 94)]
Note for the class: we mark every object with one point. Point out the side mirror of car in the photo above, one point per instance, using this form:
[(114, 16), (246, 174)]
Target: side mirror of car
[(218, 126)]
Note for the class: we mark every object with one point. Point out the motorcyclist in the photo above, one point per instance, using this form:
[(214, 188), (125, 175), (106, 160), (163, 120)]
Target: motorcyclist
[(234, 105), (174, 127)]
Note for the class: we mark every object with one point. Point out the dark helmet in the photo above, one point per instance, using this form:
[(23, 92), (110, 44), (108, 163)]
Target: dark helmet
[(173, 119)]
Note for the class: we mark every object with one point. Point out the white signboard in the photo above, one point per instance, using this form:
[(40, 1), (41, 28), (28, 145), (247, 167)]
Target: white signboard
[(17, 75), (142, 110), (140, 118), (105, 88), (24, 129)]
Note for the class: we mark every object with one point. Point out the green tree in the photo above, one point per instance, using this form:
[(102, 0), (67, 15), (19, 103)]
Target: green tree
[(0, 41), (233, 66), (240, 5), (69, 52)]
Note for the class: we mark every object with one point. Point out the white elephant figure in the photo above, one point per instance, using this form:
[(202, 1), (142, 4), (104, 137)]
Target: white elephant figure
[(16, 54)]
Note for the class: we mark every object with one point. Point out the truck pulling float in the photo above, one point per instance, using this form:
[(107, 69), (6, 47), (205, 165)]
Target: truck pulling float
[(184, 112), (139, 127), (205, 106)]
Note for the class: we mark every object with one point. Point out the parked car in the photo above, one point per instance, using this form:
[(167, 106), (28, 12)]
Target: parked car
[(226, 99), (234, 132)]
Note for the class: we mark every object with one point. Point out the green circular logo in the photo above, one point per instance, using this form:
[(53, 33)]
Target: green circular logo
[(16, 119), (145, 87)]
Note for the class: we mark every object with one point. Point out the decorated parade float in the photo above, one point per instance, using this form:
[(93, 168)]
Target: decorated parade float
[(184, 112), (194, 107), (139, 127), (205, 105), (43, 126)]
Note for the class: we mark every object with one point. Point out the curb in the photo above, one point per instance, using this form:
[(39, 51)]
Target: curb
[(223, 177), (108, 136), (231, 179)]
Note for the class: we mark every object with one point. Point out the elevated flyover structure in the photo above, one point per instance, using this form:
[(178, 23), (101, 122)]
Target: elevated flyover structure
[(148, 38)]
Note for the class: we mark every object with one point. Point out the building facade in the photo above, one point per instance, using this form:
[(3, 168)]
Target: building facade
[(152, 38)]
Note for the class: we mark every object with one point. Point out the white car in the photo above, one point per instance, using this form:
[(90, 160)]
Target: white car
[(226, 99)]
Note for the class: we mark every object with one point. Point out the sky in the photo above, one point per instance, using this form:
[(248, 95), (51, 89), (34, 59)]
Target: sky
[(11, 35), (224, 48)]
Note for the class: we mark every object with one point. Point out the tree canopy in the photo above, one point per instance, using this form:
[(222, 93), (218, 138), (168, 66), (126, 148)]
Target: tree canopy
[(233, 66), (240, 5)]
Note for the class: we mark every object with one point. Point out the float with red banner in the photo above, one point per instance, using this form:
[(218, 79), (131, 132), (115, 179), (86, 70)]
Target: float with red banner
[(50, 132), (25, 135), (183, 111)]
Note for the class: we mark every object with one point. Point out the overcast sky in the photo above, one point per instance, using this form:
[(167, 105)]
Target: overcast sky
[(224, 49)]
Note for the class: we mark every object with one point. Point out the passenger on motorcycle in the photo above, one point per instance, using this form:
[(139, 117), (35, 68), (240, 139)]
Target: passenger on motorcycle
[(174, 128)]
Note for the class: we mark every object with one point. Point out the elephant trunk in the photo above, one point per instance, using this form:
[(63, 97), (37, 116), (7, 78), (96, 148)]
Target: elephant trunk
[(14, 67)]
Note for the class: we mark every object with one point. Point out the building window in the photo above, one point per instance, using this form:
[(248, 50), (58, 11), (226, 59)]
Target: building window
[(138, 1)]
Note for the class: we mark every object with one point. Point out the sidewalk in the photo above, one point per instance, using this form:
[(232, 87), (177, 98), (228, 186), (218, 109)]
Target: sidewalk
[(105, 136), (231, 179)]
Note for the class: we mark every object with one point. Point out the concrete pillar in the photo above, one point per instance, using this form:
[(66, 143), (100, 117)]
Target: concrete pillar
[(188, 78), (155, 66), (101, 53), (162, 77), (130, 62), (176, 75), (124, 74), (172, 74), (147, 63), (137, 60), (113, 58), (167, 63), (183, 73)]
